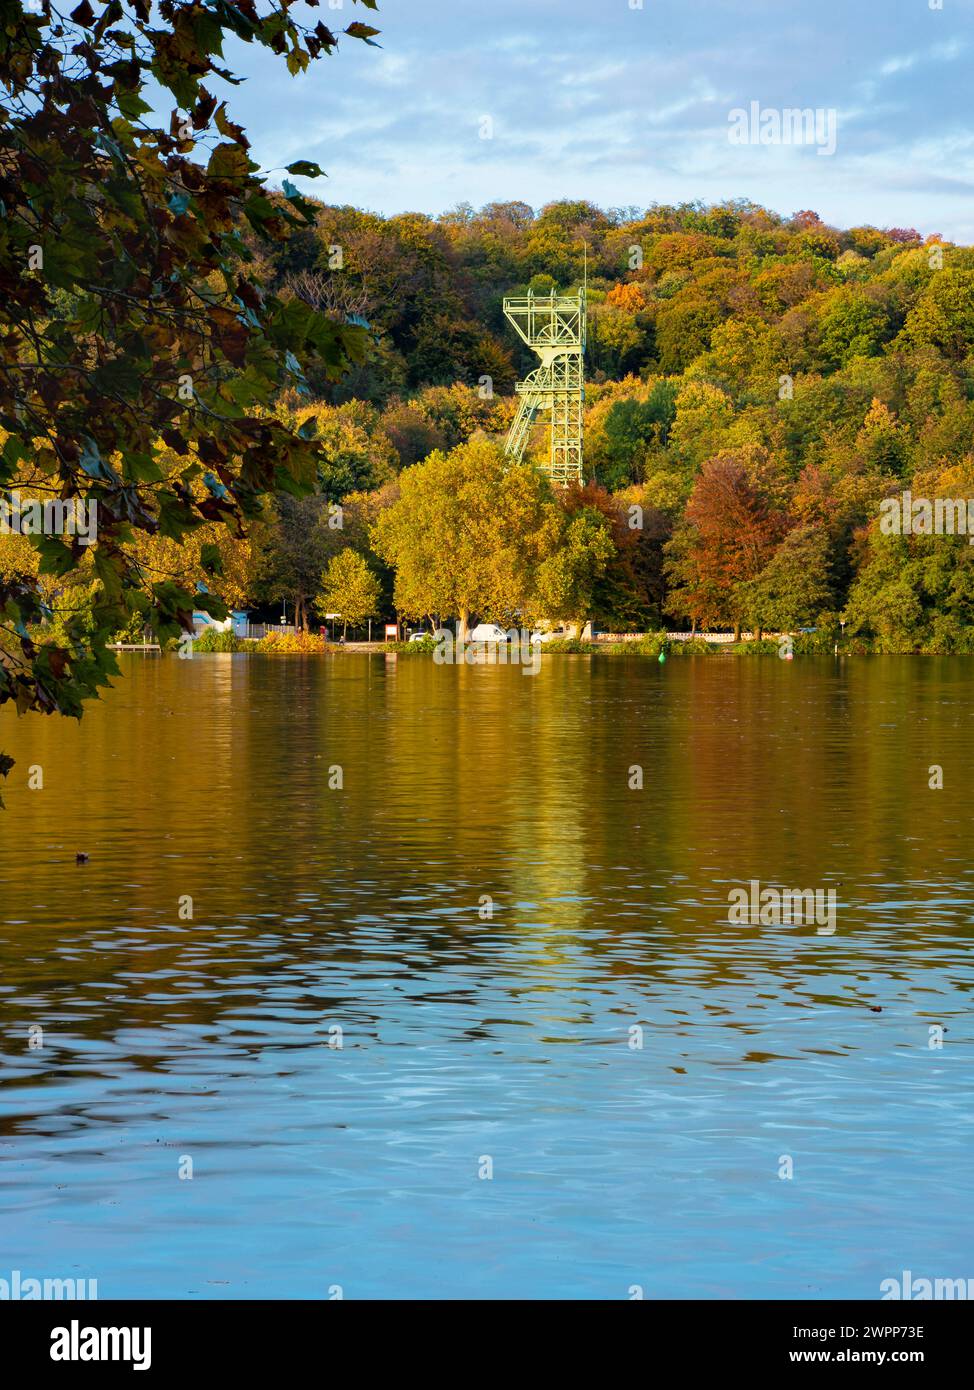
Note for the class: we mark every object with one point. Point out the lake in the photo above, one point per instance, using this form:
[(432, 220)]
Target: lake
[(474, 1022)]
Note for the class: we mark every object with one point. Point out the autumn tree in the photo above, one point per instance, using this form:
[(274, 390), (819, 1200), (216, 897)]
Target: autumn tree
[(466, 534), (412, 433), (728, 536), (128, 311)]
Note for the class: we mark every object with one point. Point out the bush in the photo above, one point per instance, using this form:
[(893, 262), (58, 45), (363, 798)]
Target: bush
[(767, 646), (424, 647), (619, 648), (654, 642), (573, 645), (292, 643), (210, 640), (693, 646), (651, 644), (820, 643)]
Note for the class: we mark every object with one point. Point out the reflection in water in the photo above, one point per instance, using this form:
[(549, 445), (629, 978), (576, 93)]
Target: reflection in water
[(469, 1031)]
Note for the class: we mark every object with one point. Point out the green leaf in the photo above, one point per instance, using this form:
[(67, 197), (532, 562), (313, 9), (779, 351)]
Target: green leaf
[(14, 452), (56, 557), (131, 106), (141, 468), (211, 559), (175, 518), (306, 168)]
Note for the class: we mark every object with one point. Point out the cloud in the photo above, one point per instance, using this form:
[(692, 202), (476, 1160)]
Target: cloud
[(939, 53), (622, 105)]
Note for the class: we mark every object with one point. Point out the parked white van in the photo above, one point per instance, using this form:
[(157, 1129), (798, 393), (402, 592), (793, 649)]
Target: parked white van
[(488, 632)]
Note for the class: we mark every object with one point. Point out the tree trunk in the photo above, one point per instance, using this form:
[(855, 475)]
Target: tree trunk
[(463, 623), (737, 632)]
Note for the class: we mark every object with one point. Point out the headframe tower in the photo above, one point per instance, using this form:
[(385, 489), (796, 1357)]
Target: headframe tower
[(554, 326)]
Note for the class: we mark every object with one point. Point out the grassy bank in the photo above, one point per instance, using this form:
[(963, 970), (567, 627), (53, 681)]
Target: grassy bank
[(650, 646)]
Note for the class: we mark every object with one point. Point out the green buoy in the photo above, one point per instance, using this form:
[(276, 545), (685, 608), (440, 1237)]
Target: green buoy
[(662, 655)]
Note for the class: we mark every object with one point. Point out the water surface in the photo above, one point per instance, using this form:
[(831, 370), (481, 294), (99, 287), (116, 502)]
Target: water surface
[(486, 910)]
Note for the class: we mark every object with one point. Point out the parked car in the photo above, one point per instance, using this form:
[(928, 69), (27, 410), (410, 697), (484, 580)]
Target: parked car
[(488, 632)]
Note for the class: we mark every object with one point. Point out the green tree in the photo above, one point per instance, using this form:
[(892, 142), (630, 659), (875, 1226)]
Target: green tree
[(683, 329), (854, 325), (794, 586), (628, 429), (566, 579), (350, 588), (297, 545), (413, 435), (944, 314), (883, 601)]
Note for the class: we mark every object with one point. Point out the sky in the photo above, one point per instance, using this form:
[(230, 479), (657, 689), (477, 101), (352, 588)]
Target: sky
[(624, 104)]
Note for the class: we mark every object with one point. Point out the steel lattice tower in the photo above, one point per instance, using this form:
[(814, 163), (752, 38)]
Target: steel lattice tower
[(554, 326)]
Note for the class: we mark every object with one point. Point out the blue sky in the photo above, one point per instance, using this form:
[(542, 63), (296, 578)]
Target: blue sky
[(594, 99)]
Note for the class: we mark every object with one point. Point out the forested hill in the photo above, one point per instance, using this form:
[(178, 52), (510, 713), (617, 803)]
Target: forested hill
[(733, 295), (757, 384), (758, 390)]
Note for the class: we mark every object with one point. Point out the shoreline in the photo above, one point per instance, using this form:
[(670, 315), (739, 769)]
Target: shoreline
[(646, 650)]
